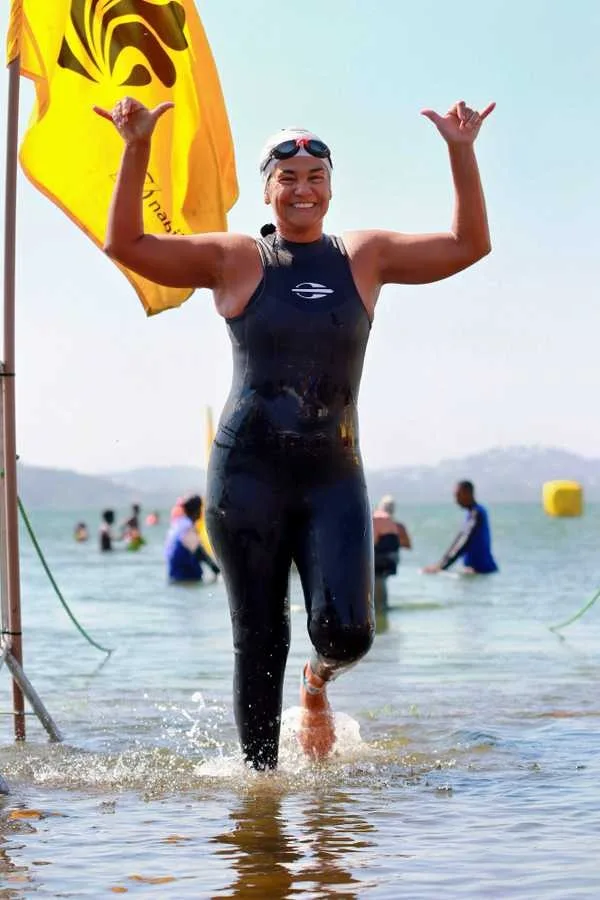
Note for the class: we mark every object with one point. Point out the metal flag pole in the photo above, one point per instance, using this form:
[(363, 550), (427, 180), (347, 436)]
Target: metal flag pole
[(11, 646), (11, 518)]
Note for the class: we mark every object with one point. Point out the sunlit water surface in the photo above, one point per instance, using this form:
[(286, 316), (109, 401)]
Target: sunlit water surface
[(467, 761)]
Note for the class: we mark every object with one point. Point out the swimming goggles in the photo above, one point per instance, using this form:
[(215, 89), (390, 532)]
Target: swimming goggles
[(291, 147)]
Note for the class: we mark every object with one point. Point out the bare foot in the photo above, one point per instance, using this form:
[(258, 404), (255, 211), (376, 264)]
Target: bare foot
[(317, 728)]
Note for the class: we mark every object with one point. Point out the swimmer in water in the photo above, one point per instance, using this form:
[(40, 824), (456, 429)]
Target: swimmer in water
[(184, 553), (105, 533), (285, 480), (388, 537), (80, 532), (473, 543), (131, 531)]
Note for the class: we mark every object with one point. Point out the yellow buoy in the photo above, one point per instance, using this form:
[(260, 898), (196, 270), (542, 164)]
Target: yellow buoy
[(563, 498)]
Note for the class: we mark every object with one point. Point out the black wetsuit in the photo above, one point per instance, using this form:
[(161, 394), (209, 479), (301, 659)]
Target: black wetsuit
[(105, 537), (286, 481), (387, 555)]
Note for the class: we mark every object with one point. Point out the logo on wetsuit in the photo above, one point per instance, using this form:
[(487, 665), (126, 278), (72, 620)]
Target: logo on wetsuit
[(311, 290)]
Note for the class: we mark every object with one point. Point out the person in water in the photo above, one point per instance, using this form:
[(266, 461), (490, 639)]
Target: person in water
[(285, 479), (184, 552), (105, 534), (388, 537), (80, 532), (131, 531), (473, 543)]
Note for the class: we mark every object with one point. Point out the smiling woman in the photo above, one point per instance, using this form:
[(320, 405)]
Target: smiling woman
[(296, 168), (286, 482)]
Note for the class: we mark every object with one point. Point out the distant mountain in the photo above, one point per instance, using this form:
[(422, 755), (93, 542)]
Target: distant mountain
[(512, 474), (62, 489), (41, 488), (170, 482)]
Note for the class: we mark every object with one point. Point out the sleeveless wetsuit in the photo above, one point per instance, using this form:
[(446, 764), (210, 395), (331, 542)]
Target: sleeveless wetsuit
[(286, 481), (387, 555)]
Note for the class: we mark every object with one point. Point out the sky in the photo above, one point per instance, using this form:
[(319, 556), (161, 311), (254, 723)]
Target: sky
[(504, 353)]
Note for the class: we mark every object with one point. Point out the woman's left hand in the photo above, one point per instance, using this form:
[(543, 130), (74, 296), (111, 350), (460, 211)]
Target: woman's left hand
[(461, 124)]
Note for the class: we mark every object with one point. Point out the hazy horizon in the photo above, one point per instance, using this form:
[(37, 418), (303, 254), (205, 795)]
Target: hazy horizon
[(374, 469)]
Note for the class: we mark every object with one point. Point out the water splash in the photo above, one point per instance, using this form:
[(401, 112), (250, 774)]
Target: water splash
[(348, 742)]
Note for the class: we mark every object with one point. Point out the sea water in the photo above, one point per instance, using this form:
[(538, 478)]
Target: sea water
[(468, 754)]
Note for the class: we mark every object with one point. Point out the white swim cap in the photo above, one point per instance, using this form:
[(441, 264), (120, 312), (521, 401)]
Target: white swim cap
[(267, 162), (387, 505)]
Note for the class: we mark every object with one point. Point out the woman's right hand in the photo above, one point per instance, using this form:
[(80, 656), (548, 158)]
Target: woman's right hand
[(134, 121)]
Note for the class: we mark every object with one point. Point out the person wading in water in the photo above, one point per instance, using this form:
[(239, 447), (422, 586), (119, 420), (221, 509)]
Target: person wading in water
[(285, 480)]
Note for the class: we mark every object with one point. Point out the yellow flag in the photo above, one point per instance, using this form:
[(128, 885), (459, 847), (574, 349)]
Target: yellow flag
[(15, 29), (82, 53), (209, 436)]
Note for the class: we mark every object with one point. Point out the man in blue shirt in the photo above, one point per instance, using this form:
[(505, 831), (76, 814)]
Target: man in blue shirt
[(473, 543)]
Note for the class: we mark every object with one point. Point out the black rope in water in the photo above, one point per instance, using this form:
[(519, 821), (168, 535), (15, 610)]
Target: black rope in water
[(53, 582)]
